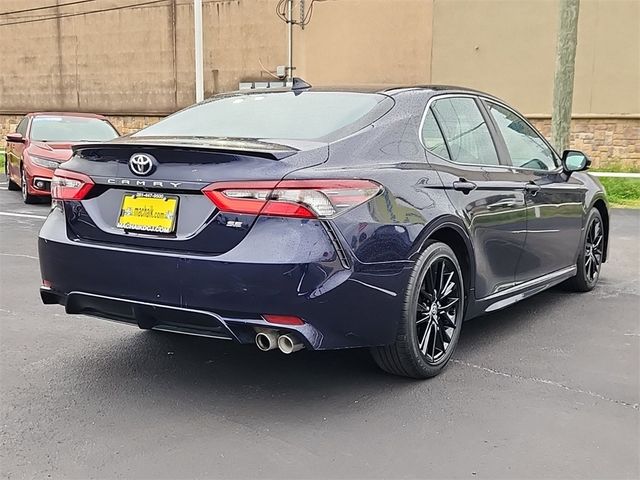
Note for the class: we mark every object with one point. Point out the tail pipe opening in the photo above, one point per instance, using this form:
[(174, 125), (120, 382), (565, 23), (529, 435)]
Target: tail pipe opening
[(267, 339), (289, 344)]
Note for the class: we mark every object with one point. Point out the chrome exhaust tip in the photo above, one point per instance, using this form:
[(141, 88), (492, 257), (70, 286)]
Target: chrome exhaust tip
[(289, 344), (267, 340)]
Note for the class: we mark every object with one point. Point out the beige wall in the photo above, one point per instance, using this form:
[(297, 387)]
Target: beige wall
[(103, 62), (141, 60), (366, 42), (135, 60), (507, 47)]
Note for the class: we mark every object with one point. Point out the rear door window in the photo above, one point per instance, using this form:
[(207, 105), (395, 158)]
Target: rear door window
[(432, 136), (465, 131)]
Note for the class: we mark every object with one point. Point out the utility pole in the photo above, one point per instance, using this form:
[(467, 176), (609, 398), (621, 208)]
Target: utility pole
[(564, 75), (199, 67), (290, 44)]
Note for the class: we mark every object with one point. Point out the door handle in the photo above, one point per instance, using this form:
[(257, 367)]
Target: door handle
[(532, 188), (464, 186)]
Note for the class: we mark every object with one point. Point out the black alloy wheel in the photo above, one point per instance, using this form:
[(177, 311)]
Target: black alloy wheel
[(591, 255), (432, 317), (593, 250), (438, 303)]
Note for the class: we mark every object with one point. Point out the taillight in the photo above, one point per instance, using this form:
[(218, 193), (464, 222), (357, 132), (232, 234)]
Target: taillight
[(67, 185), (292, 198)]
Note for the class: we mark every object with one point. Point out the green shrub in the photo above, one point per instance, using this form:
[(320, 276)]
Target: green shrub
[(622, 191)]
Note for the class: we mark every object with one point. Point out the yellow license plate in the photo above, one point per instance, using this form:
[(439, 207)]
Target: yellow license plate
[(148, 212)]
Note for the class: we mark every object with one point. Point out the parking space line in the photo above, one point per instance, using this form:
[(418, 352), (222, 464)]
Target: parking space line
[(18, 255), (23, 215)]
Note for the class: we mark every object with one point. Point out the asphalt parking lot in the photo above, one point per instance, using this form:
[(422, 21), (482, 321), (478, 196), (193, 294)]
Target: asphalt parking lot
[(547, 388)]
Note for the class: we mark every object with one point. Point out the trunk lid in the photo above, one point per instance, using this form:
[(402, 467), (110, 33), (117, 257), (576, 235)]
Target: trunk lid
[(181, 168)]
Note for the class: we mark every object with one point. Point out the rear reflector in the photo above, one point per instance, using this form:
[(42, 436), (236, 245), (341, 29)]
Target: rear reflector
[(68, 185), (283, 319), (292, 198)]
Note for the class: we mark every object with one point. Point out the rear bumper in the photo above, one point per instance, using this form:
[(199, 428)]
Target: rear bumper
[(169, 318), (225, 296)]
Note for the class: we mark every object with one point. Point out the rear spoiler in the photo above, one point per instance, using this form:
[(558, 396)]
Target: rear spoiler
[(272, 151)]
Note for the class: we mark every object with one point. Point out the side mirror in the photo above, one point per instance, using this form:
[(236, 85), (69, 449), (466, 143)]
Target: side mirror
[(15, 137), (574, 161)]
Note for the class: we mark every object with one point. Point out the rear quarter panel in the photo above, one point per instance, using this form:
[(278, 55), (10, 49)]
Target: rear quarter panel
[(393, 226)]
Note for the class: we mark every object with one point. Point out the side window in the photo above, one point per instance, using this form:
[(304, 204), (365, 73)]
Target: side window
[(22, 126), (432, 136), (526, 148), (465, 131)]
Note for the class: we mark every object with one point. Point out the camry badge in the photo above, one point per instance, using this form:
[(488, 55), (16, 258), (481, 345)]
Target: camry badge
[(142, 164)]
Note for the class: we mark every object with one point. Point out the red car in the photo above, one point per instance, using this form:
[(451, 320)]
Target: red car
[(42, 142)]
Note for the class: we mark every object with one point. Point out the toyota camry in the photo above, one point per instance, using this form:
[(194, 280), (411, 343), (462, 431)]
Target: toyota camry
[(318, 219)]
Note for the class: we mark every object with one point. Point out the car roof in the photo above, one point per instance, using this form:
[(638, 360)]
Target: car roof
[(67, 114), (385, 89), (434, 88)]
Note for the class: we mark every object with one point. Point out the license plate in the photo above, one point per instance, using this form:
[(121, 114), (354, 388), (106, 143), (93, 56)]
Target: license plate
[(148, 212)]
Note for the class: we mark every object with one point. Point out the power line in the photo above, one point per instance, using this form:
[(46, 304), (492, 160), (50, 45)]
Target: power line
[(51, 16), (35, 9), (67, 15), (281, 12), (307, 18)]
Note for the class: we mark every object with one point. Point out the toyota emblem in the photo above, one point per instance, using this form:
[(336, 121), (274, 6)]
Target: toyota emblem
[(142, 164)]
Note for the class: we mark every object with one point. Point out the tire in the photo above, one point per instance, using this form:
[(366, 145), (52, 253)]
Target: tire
[(26, 196), (11, 185), (591, 254), (426, 323)]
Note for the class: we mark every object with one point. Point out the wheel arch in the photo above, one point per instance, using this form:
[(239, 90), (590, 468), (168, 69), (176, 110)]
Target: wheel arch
[(452, 232), (601, 206)]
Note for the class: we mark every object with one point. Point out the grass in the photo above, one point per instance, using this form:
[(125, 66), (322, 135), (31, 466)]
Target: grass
[(622, 192), (1, 161)]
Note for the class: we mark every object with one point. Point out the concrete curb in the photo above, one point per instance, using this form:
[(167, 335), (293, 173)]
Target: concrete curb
[(615, 174)]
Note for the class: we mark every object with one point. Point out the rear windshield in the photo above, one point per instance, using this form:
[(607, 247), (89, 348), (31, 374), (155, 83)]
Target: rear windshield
[(274, 115), (71, 129)]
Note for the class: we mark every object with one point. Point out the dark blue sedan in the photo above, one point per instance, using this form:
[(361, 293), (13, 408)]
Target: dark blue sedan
[(323, 219)]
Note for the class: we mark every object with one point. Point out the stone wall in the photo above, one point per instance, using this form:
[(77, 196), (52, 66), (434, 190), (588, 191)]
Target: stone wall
[(131, 124), (604, 140), (8, 124)]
